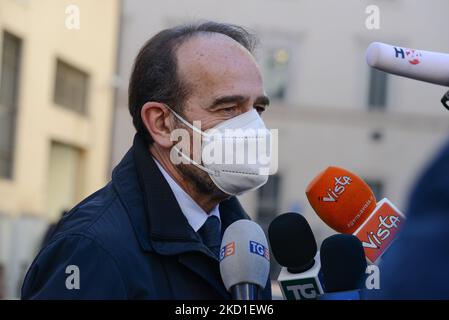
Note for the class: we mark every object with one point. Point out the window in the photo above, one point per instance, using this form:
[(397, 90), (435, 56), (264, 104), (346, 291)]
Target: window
[(276, 73), (377, 96), (71, 87), (9, 92), (267, 210), (377, 187)]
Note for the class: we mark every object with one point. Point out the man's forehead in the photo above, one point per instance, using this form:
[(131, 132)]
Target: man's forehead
[(213, 45), (214, 57)]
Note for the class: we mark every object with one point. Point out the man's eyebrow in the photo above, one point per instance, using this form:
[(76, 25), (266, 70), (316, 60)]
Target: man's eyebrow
[(238, 99), (227, 99)]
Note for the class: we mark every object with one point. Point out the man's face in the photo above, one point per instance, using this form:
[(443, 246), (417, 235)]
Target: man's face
[(224, 81)]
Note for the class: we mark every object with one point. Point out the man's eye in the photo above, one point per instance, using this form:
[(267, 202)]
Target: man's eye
[(229, 110)]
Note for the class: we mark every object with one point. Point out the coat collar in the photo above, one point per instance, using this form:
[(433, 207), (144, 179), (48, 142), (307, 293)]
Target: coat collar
[(155, 214)]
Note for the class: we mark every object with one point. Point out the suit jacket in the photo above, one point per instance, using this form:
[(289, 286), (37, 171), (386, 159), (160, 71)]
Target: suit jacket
[(130, 240)]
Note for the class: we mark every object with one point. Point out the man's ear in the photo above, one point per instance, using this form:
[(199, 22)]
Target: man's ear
[(155, 117)]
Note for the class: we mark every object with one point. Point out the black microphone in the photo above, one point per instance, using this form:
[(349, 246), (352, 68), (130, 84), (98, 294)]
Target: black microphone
[(294, 247), (343, 264)]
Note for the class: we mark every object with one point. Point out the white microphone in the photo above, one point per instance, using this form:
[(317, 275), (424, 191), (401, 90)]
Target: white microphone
[(427, 66), (244, 260)]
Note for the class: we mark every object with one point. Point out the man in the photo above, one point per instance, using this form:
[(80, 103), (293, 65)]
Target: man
[(417, 263), (154, 231)]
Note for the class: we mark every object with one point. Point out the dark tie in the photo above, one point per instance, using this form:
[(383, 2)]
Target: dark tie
[(210, 232)]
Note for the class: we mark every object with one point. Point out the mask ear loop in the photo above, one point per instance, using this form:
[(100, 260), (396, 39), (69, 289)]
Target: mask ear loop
[(196, 164), (188, 124)]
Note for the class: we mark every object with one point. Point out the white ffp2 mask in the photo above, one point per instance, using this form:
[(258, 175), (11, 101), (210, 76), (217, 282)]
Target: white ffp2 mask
[(231, 171)]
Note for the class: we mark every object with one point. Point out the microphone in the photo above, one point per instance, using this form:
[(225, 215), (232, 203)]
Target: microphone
[(294, 247), (427, 66), (347, 204), (343, 263), (341, 199), (244, 260)]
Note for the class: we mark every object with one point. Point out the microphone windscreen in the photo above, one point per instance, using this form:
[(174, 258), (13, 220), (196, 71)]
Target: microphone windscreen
[(292, 241), (343, 263), (341, 199), (244, 255)]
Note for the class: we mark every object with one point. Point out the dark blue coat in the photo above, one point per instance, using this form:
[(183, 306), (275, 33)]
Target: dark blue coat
[(130, 240), (416, 266)]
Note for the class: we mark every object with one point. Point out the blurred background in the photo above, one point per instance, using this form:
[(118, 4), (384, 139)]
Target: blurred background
[(64, 121)]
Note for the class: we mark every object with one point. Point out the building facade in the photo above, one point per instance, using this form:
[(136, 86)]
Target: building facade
[(57, 66)]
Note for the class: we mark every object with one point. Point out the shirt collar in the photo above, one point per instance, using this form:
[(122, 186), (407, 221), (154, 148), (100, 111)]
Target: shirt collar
[(194, 214)]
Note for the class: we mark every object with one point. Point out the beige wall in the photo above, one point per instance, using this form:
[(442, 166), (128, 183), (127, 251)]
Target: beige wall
[(41, 26)]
